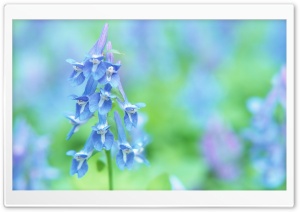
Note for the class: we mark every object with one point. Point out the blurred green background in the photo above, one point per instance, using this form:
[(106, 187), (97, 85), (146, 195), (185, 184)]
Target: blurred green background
[(187, 72)]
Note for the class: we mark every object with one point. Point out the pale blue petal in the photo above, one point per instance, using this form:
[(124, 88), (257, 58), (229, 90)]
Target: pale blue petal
[(74, 165), (77, 113), (130, 123), (87, 69), (96, 138), (102, 118), (105, 107), (140, 104), (121, 131), (109, 139), (86, 114), (71, 153), (115, 79), (107, 88), (97, 49), (93, 102), (130, 159), (83, 169), (120, 162), (90, 87)]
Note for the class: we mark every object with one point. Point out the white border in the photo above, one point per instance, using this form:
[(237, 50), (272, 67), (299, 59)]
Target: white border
[(147, 198)]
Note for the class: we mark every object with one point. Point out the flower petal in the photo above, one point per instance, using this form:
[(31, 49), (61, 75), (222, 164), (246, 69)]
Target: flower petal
[(140, 105), (109, 55), (83, 169), (107, 88), (93, 102), (96, 138), (102, 119), (90, 87), (98, 47), (115, 80), (74, 166), (103, 80), (109, 139), (130, 120), (121, 131), (86, 114), (105, 107), (77, 113), (100, 72), (77, 79), (129, 161), (71, 153), (87, 69), (120, 162)]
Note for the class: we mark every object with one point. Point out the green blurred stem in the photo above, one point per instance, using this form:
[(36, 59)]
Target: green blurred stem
[(109, 165)]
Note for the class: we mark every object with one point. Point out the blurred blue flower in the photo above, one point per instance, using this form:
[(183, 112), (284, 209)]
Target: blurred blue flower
[(268, 134), (102, 100)]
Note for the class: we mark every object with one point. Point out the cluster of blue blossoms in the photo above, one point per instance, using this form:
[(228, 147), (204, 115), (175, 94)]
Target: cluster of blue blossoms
[(101, 74)]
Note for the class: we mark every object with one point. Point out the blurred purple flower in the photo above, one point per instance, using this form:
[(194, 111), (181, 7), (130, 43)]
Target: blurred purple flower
[(222, 150), (31, 170)]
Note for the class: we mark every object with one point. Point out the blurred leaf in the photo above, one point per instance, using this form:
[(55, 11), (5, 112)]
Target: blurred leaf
[(114, 51), (161, 182), (100, 165)]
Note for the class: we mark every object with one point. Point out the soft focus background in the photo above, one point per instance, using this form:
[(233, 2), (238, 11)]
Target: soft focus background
[(215, 95)]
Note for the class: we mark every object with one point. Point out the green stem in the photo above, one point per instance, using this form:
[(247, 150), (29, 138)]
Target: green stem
[(109, 165)]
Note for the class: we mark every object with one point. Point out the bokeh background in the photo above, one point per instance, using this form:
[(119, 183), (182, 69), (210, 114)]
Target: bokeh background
[(207, 84)]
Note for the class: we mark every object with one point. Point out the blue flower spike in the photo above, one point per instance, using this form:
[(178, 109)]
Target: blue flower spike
[(125, 156), (77, 77), (102, 100), (101, 137), (100, 72)]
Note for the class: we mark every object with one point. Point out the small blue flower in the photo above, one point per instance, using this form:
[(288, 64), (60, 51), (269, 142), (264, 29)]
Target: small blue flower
[(77, 77), (131, 115), (111, 73), (79, 163), (125, 156), (111, 70), (138, 149), (82, 104), (101, 137), (76, 124), (101, 101), (95, 57)]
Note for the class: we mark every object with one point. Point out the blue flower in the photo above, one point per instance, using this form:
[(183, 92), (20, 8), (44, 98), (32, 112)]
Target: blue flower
[(95, 57), (138, 149), (101, 137), (111, 70), (82, 104), (79, 163), (131, 115), (125, 156), (77, 77), (76, 124), (101, 101)]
